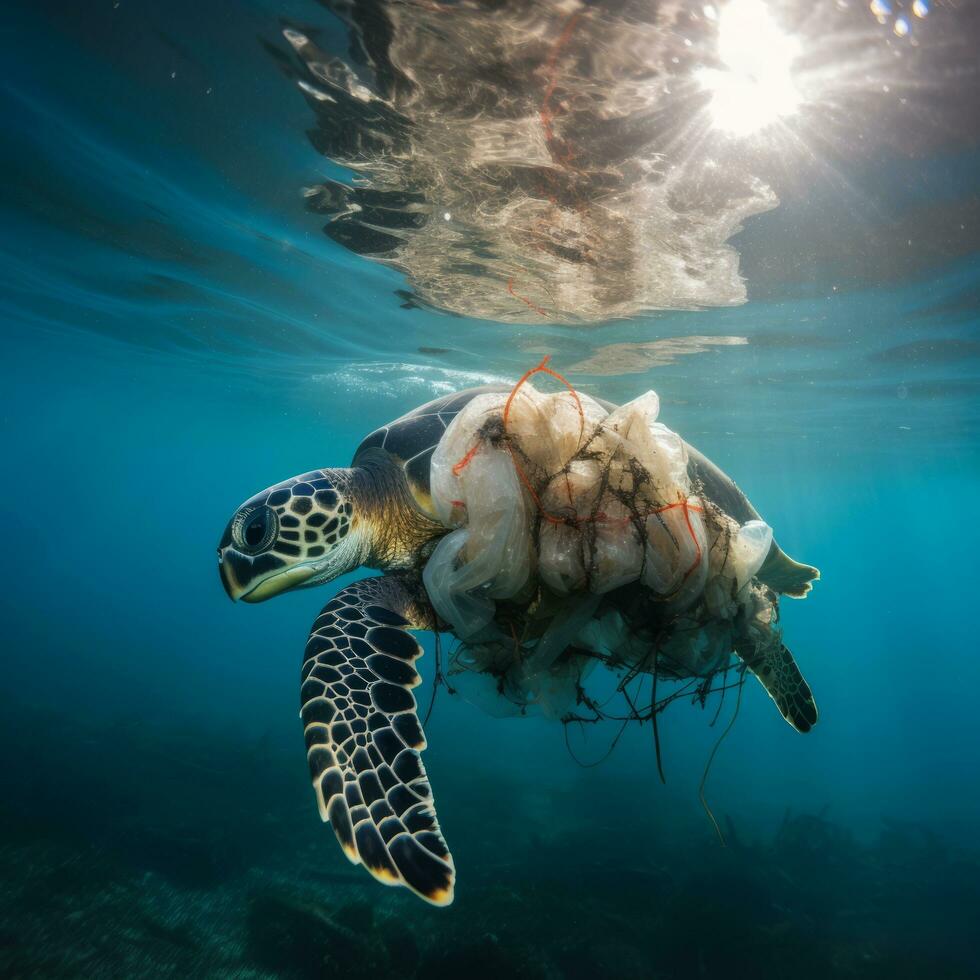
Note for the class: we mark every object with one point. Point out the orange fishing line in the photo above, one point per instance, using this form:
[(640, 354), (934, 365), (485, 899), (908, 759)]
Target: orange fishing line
[(461, 465), (599, 517), (545, 113), (524, 299)]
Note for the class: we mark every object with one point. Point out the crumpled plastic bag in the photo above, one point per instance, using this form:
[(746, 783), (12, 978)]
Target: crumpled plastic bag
[(554, 486), (489, 676), (552, 491), (489, 556)]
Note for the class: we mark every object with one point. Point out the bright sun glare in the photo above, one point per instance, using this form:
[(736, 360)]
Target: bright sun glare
[(755, 88)]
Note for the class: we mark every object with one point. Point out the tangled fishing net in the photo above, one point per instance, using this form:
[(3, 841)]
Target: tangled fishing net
[(578, 538)]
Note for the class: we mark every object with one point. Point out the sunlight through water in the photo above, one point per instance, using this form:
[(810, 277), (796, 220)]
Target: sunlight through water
[(757, 87)]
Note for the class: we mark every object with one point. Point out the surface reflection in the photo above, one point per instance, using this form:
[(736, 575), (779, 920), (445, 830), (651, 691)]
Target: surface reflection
[(529, 161)]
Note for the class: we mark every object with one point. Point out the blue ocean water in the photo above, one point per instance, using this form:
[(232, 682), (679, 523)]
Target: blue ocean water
[(178, 332)]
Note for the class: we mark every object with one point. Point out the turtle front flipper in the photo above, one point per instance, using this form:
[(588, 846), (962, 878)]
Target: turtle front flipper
[(363, 736), (776, 670)]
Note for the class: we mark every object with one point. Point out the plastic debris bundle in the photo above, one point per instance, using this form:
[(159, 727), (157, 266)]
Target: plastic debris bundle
[(554, 504)]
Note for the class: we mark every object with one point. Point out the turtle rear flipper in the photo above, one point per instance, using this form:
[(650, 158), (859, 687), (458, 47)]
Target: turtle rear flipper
[(776, 670), (363, 737), (784, 575)]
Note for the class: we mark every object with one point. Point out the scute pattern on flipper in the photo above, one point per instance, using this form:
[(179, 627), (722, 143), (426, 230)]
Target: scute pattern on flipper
[(778, 673), (364, 741)]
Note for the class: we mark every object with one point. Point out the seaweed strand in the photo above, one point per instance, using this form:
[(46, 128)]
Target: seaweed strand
[(711, 758)]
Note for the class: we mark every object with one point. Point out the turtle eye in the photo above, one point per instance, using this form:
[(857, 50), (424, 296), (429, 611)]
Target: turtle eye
[(255, 529)]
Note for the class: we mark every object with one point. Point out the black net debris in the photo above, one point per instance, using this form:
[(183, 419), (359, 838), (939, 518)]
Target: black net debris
[(577, 539)]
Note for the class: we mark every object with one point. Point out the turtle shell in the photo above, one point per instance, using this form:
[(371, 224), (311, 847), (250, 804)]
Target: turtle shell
[(411, 440)]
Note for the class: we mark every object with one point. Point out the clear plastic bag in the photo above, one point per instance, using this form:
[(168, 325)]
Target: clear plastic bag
[(606, 497), (552, 492), (489, 555)]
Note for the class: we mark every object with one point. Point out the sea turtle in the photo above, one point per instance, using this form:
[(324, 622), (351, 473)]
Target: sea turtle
[(362, 733)]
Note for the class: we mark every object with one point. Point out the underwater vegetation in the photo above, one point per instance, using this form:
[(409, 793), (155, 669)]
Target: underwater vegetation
[(211, 866)]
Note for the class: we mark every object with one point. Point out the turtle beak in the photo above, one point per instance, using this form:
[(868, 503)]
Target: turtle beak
[(277, 582), (232, 587), (243, 580)]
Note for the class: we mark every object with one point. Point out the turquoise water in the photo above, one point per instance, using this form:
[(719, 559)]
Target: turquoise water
[(179, 332)]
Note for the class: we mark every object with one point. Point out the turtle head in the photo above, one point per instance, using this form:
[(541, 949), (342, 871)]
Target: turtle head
[(301, 532)]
